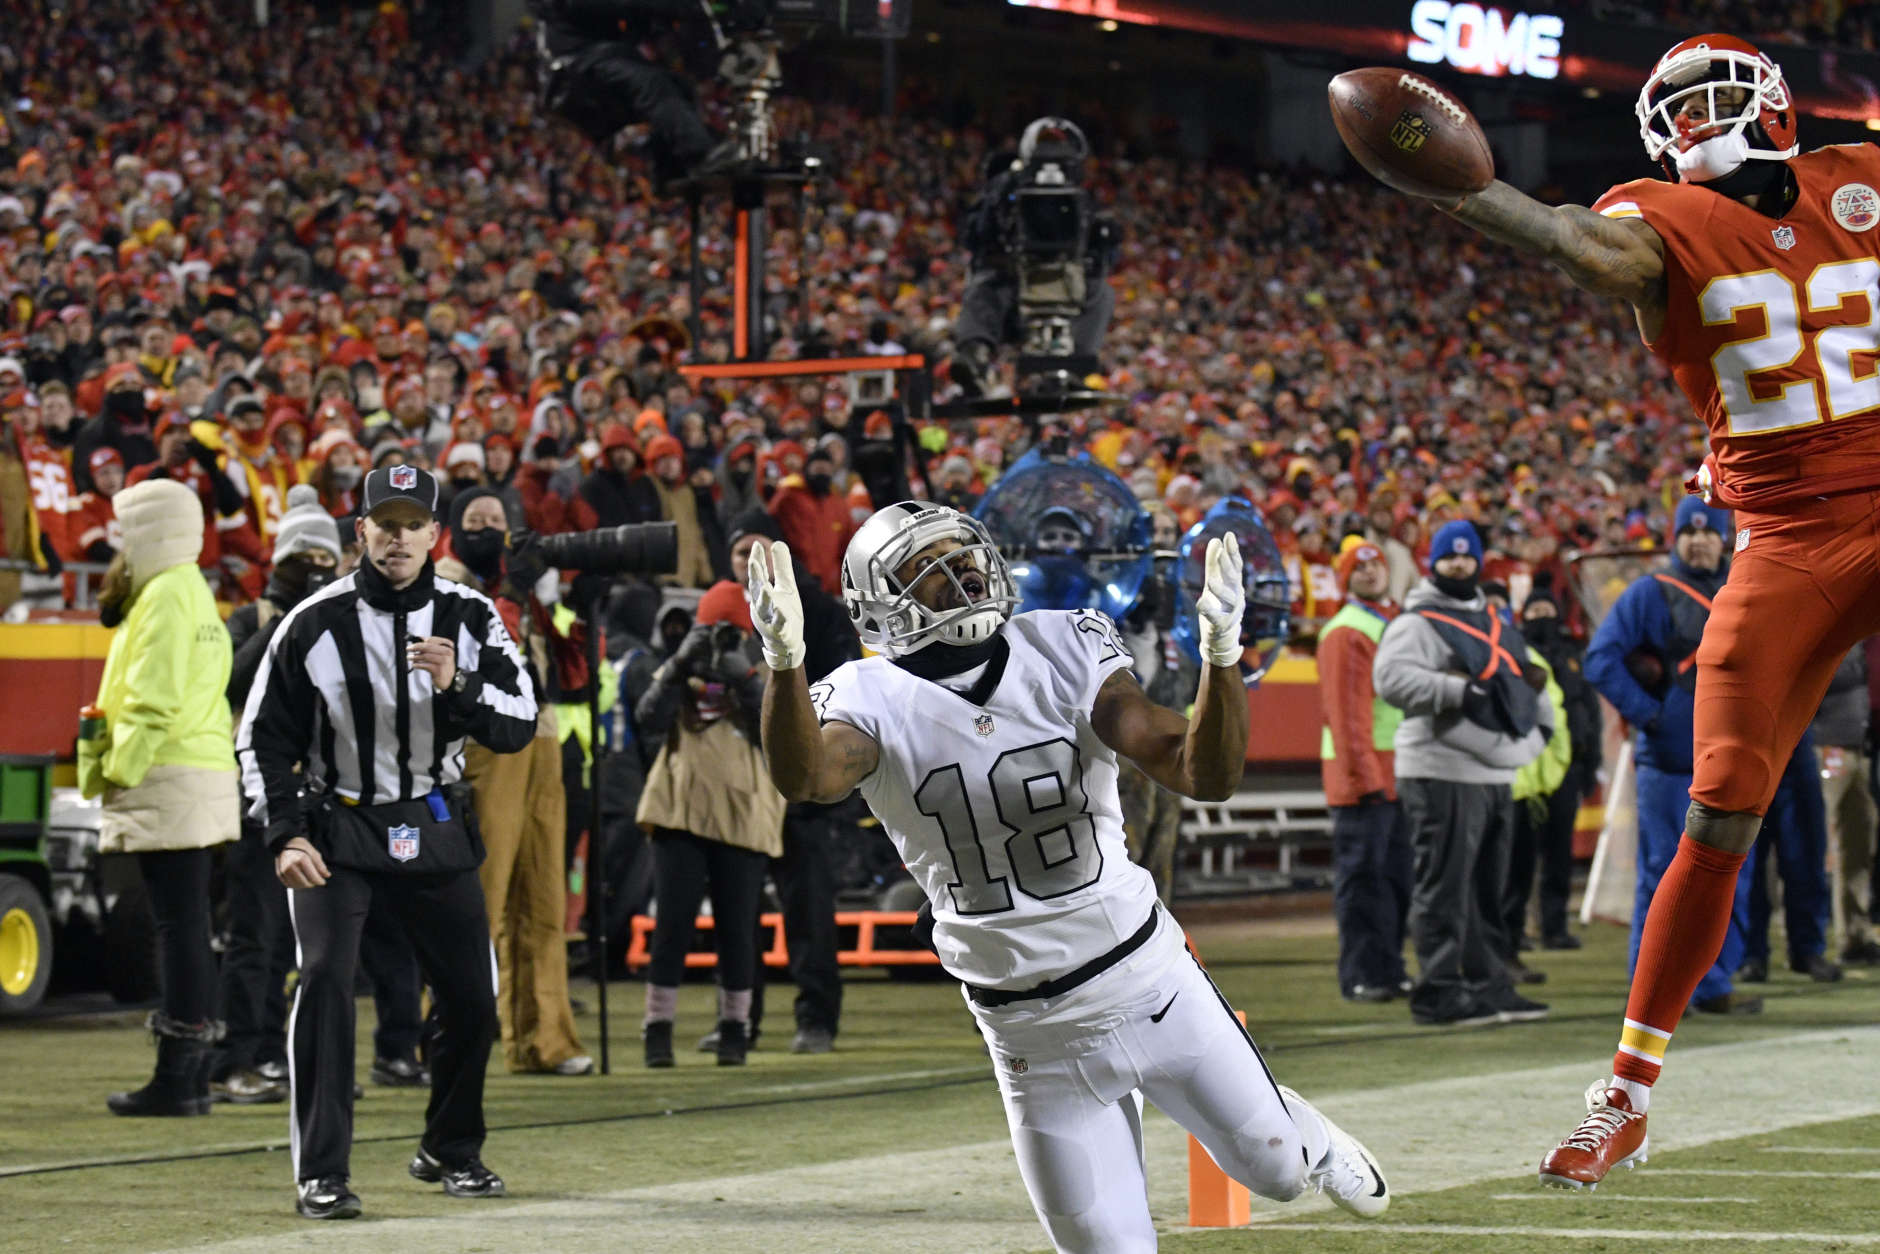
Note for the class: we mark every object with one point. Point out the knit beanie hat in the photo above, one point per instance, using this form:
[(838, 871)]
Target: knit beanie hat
[(1455, 539), (306, 525), (724, 602), (753, 520), (162, 524)]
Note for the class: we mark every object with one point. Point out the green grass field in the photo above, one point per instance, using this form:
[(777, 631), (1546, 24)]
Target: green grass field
[(1766, 1131)]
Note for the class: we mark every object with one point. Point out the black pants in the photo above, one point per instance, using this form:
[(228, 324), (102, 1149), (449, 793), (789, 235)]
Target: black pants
[(685, 868), (255, 964), (391, 967), (442, 914), (1460, 835), (1544, 842), (1371, 877), (177, 881), (806, 883)]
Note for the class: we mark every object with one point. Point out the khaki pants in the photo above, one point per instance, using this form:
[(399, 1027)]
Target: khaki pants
[(521, 809), (1152, 817), (1852, 821)]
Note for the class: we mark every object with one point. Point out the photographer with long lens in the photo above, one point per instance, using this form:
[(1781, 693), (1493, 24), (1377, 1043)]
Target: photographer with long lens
[(351, 749), (715, 817), (1041, 253), (520, 802), (601, 70)]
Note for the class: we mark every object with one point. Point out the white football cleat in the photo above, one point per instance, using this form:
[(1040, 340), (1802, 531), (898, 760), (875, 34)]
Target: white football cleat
[(1349, 1175)]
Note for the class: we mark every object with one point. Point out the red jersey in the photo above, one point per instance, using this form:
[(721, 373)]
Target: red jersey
[(1772, 324)]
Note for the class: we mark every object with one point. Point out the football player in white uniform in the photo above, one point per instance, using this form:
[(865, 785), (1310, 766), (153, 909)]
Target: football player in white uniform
[(986, 744)]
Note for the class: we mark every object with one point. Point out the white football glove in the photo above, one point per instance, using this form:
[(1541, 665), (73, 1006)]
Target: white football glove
[(776, 606), (1222, 603)]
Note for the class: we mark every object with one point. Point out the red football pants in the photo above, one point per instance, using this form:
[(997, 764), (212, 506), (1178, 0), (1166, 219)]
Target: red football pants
[(1804, 588)]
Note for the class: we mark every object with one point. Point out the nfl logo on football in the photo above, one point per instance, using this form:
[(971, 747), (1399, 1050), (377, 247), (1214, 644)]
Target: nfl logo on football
[(404, 477), (983, 724), (402, 842)]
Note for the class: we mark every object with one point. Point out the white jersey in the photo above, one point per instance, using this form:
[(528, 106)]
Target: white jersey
[(1002, 801)]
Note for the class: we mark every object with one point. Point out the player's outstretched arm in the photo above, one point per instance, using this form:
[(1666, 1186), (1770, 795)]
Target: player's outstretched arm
[(1619, 257), (1201, 756), (809, 761)]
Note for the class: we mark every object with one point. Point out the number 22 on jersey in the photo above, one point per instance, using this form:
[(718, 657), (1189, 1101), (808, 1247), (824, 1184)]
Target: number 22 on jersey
[(1834, 287)]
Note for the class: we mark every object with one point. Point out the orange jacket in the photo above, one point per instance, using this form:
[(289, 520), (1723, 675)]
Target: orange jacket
[(1357, 767)]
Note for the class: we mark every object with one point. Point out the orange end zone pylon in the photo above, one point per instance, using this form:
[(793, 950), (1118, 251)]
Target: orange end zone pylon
[(1215, 1199)]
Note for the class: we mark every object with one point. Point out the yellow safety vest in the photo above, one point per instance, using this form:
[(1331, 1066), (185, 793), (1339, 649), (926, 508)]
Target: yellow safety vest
[(1384, 717)]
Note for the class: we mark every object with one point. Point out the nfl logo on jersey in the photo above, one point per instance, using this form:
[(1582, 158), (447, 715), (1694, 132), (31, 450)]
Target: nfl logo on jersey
[(402, 841), (1785, 237), (983, 724)]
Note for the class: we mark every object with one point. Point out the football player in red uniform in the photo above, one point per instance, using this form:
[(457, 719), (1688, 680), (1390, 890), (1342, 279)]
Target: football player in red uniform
[(1752, 272)]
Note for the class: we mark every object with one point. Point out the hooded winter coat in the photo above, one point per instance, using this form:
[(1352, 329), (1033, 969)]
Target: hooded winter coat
[(1417, 671), (166, 761)]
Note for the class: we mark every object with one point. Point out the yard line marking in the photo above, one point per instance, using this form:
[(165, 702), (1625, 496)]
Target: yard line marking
[(1761, 1174), (937, 1073), (968, 1199), (1821, 1149), (1564, 1195), (1635, 1235)]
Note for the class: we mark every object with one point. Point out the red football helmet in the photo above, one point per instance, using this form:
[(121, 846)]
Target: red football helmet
[(1707, 66)]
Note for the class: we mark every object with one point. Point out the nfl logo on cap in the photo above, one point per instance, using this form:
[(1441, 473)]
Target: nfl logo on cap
[(403, 478)]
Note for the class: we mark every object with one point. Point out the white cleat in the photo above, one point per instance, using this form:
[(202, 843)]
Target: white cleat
[(1349, 1175)]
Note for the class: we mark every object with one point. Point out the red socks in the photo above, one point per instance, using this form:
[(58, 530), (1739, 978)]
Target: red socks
[(1684, 930)]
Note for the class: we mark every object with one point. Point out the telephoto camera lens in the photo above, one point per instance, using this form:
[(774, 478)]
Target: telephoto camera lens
[(639, 548)]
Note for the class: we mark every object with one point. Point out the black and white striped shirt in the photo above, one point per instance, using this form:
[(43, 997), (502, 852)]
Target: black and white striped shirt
[(336, 698)]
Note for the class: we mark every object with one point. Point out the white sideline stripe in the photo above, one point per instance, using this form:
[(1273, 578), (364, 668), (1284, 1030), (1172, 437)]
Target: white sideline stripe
[(1821, 1149), (1630, 1199), (1818, 1240), (1725, 1172), (854, 1081), (967, 1199)]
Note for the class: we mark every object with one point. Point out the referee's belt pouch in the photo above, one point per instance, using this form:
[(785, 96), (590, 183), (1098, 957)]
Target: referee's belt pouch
[(435, 833)]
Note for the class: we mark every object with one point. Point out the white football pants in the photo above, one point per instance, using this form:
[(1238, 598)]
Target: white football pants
[(1070, 1069)]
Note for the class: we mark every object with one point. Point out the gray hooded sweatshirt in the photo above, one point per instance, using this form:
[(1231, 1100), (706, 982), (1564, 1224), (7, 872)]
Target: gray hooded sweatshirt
[(1419, 673)]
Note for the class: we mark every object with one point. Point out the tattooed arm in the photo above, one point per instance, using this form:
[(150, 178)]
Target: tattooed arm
[(808, 760), (1620, 257)]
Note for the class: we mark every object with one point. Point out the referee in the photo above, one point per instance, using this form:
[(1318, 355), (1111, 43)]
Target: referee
[(352, 741)]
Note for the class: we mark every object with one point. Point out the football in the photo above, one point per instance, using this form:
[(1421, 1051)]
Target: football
[(1410, 134)]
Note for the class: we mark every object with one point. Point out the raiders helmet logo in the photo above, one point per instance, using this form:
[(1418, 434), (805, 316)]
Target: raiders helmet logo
[(404, 478)]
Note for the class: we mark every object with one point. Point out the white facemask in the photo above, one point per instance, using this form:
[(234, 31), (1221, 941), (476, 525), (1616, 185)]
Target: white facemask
[(1713, 158)]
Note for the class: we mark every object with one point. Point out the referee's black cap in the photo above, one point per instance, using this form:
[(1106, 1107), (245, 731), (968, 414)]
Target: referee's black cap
[(389, 484)]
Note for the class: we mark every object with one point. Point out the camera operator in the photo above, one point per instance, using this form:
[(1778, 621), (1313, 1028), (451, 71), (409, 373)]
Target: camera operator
[(520, 801), (1036, 239), (715, 817), (601, 71), (362, 704)]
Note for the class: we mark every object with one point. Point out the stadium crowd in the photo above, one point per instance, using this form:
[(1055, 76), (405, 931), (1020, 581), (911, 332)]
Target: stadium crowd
[(234, 283)]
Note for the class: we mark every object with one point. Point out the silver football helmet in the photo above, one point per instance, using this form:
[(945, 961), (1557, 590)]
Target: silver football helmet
[(979, 592)]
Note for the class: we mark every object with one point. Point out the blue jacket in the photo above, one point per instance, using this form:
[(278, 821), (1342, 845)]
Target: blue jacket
[(1639, 619)]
